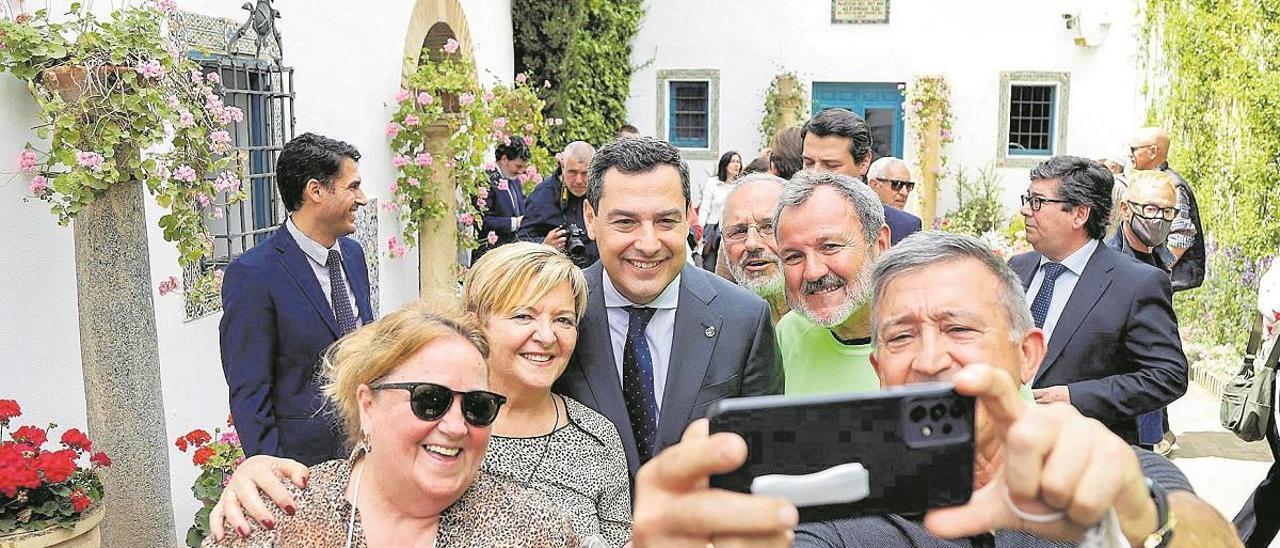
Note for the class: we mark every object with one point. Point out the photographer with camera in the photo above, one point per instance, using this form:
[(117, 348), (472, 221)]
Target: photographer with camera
[(553, 212)]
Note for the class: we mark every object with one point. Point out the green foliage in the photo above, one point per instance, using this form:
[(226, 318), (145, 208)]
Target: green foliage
[(1213, 79), (583, 48), (776, 107), (217, 457), (978, 208), (110, 91), (926, 100)]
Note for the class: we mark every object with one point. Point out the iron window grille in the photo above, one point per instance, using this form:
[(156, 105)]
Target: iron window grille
[(689, 109), (1032, 116)]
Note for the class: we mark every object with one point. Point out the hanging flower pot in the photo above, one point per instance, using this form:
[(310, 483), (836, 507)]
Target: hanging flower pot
[(85, 533), (71, 82)]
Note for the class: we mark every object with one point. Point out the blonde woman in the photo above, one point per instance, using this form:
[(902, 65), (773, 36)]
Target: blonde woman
[(413, 392), (529, 299)]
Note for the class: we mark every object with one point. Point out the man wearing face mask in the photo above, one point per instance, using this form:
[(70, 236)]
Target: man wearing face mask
[(1146, 215)]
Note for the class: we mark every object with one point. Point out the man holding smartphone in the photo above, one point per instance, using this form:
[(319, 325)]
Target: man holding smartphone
[(945, 308)]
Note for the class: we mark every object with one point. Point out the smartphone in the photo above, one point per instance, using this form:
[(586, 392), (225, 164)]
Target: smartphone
[(901, 450)]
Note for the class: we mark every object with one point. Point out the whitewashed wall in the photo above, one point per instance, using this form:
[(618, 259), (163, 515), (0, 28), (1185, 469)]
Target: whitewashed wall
[(971, 43), (347, 64)]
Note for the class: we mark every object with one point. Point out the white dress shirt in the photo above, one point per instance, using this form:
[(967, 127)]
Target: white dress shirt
[(659, 333), (1063, 286), (319, 255)]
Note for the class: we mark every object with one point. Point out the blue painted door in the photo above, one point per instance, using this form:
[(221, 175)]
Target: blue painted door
[(879, 103)]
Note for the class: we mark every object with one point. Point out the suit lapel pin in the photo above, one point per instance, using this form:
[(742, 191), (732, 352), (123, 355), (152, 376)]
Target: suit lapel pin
[(711, 331)]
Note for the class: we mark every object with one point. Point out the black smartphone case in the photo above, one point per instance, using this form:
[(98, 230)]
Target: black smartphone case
[(912, 464)]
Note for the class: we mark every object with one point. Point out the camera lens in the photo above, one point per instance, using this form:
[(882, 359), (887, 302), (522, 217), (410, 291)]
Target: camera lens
[(946, 429), (918, 413), (937, 412)]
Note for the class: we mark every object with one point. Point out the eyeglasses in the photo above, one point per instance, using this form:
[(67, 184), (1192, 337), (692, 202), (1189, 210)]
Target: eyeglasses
[(739, 232), (431, 401), (897, 185), (1152, 211), (1037, 202), (1134, 150)]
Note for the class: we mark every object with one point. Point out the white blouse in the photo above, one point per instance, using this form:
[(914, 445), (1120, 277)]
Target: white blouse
[(711, 206)]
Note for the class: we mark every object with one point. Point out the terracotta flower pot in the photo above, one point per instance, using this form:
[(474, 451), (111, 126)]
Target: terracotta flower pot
[(84, 535), (74, 81)]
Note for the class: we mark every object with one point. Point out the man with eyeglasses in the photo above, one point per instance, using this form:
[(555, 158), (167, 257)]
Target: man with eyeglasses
[(750, 251), (891, 179), (1113, 350), (1149, 150)]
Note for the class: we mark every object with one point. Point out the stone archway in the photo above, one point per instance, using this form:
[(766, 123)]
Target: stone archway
[(431, 24)]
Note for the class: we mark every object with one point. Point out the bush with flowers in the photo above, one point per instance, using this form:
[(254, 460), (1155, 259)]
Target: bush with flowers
[(40, 487), (217, 456), (120, 102), (445, 94), (926, 100)]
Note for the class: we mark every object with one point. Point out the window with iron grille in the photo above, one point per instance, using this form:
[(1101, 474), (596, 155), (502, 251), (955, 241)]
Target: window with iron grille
[(690, 105), (264, 92), (1032, 114)]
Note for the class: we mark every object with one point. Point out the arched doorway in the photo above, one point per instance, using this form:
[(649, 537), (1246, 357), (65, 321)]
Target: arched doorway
[(432, 23)]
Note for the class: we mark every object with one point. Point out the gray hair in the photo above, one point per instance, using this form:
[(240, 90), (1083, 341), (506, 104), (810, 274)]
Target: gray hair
[(578, 151), (932, 247), (881, 165), (752, 178), (801, 186), (633, 155)]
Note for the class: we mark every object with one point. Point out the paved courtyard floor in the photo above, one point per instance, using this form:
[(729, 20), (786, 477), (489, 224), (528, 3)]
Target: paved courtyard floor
[(1222, 469)]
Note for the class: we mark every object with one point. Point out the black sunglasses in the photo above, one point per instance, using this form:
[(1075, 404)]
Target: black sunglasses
[(431, 401), (897, 185)]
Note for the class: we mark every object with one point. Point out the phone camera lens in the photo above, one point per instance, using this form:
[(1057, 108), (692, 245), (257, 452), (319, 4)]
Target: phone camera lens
[(918, 413), (946, 429), (926, 431), (937, 412), (957, 410)]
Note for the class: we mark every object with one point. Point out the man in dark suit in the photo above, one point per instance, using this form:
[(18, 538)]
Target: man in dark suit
[(839, 140), (661, 339), (286, 300), (503, 204), (1113, 351), (555, 207)]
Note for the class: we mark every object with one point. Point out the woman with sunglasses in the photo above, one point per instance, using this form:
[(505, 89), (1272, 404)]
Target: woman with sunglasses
[(529, 298), (413, 392)]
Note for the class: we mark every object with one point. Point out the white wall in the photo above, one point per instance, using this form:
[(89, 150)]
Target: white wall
[(347, 65), (970, 43)]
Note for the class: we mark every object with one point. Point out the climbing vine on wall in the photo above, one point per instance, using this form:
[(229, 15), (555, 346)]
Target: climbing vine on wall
[(583, 48), (1213, 79), (928, 99), (784, 100)]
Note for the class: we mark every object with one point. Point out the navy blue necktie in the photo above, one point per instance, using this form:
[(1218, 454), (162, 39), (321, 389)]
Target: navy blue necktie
[(637, 382), (338, 295), (1040, 306)]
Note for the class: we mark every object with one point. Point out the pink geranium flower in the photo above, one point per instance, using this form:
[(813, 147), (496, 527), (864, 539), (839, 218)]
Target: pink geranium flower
[(394, 247), (403, 95), (39, 184), (425, 98), (91, 160), (423, 160), (27, 161), (466, 99), (151, 70), (168, 285), (451, 46), (522, 78), (499, 122), (393, 129), (185, 173), (412, 120), (467, 219), (400, 160), (502, 185), (186, 119), (489, 96), (492, 237), (413, 182)]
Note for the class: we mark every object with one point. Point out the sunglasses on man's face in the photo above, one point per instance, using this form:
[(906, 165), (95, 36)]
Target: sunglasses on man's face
[(431, 401), (897, 185)]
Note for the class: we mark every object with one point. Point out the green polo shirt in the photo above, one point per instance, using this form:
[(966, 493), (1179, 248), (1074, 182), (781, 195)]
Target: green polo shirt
[(816, 363)]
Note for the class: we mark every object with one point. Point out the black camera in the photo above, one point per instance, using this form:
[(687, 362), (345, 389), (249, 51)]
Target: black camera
[(575, 245)]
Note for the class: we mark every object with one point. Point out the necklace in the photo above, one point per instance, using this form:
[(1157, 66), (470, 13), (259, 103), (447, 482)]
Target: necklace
[(546, 444)]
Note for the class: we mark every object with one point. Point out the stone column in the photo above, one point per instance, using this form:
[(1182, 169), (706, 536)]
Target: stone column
[(122, 367), (438, 239), (929, 170), (791, 103)]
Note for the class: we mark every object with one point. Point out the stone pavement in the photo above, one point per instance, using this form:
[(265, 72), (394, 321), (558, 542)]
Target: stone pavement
[(1222, 469)]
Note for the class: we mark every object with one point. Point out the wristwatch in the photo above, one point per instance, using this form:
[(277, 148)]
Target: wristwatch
[(1165, 520)]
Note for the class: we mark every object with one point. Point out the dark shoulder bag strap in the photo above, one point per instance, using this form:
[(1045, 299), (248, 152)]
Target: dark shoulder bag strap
[(1255, 341), (1273, 356)]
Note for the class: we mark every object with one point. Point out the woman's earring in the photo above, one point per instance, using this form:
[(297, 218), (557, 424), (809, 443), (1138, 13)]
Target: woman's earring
[(364, 442)]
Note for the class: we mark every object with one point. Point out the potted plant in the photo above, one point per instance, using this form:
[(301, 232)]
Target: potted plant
[(48, 497), (217, 456), (120, 103)]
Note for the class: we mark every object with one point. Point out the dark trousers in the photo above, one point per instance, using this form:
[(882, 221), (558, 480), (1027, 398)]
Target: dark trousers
[(1259, 520)]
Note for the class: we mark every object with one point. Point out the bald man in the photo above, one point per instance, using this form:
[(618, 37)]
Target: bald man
[(1149, 150)]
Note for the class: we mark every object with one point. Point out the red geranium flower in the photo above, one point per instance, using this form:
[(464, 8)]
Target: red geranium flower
[(100, 459), (202, 456), (56, 466), (32, 435), (75, 438), (8, 410), (15, 470), (199, 437), (79, 500), (182, 444)]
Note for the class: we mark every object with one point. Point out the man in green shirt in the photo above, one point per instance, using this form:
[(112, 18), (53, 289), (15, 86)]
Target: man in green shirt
[(829, 229)]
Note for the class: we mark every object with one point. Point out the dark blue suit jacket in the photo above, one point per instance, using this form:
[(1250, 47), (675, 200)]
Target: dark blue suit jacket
[(1116, 346), (901, 224), (723, 347), (276, 323), (500, 208)]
